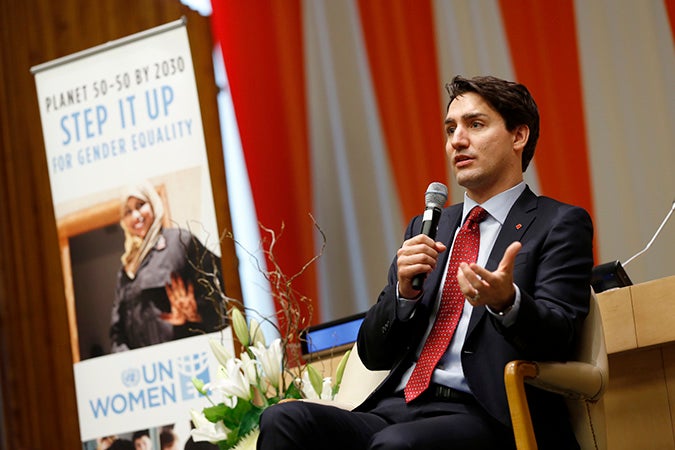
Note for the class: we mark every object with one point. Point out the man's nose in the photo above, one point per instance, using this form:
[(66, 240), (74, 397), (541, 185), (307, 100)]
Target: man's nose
[(459, 138)]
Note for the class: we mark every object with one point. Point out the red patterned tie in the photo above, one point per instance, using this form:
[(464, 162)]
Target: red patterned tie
[(465, 249)]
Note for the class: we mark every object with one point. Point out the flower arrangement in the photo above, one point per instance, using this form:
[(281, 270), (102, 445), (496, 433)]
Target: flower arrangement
[(262, 375), (247, 385)]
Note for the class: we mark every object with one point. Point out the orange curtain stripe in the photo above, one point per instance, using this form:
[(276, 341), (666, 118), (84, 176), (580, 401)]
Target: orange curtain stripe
[(542, 39), (670, 8), (401, 50), (262, 47)]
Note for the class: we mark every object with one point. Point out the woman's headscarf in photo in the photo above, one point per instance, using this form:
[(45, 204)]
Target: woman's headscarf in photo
[(136, 248)]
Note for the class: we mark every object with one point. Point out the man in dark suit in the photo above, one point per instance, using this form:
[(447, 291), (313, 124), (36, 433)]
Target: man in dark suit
[(521, 294)]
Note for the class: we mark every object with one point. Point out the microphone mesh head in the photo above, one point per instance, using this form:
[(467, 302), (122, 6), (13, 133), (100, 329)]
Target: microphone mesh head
[(436, 195)]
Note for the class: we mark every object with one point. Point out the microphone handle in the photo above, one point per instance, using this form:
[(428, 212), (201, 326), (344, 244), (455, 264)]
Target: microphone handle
[(429, 226)]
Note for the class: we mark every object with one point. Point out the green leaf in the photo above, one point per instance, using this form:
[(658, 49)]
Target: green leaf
[(216, 413), (234, 418), (341, 371), (315, 379), (232, 439), (293, 391), (250, 421), (271, 401)]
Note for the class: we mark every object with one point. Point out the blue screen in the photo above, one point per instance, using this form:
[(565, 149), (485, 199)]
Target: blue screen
[(329, 337)]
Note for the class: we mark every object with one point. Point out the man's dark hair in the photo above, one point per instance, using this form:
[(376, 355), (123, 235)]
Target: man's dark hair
[(511, 100)]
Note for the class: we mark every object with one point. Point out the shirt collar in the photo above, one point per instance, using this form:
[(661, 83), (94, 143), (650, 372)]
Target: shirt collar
[(497, 206)]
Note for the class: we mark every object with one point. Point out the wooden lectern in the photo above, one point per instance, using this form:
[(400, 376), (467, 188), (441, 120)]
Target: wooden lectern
[(639, 326)]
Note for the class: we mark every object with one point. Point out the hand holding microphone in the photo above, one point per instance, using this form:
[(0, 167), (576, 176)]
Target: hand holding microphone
[(434, 199)]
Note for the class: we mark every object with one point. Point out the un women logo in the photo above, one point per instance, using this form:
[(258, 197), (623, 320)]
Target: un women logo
[(189, 366), (131, 377)]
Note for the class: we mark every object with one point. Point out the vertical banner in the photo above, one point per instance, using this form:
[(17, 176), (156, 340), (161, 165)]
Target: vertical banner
[(137, 231)]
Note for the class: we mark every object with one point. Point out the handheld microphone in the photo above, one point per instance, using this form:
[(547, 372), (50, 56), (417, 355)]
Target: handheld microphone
[(434, 199)]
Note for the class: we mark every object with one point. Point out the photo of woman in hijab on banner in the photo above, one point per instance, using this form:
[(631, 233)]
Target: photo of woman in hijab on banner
[(148, 295), (168, 285)]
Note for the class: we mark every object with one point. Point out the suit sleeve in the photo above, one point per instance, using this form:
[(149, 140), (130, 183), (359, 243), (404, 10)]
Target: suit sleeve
[(384, 337), (553, 273)]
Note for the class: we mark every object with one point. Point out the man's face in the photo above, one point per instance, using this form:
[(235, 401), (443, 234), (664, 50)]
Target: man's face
[(485, 156)]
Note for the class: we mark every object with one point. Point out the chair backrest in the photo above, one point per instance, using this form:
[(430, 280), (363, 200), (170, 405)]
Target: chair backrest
[(588, 416), (357, 382)]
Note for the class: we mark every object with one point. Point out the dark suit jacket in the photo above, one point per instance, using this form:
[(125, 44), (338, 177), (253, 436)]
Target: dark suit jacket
[(552, 271)]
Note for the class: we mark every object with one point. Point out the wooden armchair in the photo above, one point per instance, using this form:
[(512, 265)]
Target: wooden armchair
[(582, 382)]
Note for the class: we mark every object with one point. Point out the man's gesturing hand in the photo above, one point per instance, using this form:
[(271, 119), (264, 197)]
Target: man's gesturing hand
[(494, 289)]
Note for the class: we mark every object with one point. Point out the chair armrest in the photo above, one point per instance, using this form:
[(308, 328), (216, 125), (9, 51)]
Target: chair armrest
[(572, 379), (515, 374)]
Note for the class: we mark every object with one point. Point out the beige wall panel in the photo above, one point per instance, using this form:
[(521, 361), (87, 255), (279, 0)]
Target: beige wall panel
[(669, 368), (636, 403), (652, 302), (617, 319)]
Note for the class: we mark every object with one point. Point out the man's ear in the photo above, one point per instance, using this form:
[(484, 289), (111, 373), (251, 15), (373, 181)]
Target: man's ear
[(520, 136)]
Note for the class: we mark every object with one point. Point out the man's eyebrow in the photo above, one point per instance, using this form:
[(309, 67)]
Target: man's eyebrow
[(468, 116)]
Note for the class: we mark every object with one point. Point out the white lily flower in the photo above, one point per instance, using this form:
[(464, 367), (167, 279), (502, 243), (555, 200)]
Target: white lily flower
[(309, 391), (220, 352), (254, 372), (257, 333), (307, 387), (240, 327), (270, 359), (327, 391), (205, 430), (226, 398), (250, 369), (232, 380)]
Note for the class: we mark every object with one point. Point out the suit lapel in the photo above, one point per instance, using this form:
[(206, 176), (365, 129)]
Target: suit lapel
[(519, 219)]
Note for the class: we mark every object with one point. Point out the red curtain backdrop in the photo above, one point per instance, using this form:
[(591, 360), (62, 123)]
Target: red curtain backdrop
[(670, 7), (262, 48), (401, 48), (536, 30)]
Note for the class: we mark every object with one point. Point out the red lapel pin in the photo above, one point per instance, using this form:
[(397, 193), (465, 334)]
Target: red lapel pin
[(519, 226)]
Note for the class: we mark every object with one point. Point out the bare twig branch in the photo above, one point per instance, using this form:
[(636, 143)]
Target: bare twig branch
[(291, 320)]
